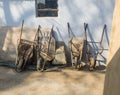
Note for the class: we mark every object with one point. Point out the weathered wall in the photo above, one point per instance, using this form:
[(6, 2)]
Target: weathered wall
[(95, 12), (112, 79)]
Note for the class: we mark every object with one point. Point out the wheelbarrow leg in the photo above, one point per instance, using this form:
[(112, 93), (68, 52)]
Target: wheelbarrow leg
[(19, 65), (39, 64), (43, 67), (76, 62), (72, 60), (79, 60)]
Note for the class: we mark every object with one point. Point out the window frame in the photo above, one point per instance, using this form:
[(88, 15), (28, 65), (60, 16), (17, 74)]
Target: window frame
[(46, 9)]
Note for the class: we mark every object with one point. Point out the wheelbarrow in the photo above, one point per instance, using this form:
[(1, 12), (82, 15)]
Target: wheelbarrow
[(76, 47), (90, 57), (25, 52), (45, 49)]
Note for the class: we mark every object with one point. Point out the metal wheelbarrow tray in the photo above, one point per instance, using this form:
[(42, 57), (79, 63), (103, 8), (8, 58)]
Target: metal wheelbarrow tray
[(76, 47), (46, 49), (25, 53)]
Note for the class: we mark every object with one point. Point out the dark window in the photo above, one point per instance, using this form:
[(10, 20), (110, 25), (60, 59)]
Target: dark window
[(46, 8)]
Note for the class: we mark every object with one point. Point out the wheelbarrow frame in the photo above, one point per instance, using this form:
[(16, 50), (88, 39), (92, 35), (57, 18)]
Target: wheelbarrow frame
[(92, 60), (25, 51), (76, 48), (43, 57)]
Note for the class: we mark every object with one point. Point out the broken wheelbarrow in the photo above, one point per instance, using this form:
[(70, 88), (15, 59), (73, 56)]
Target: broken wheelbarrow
[(25, 52), (76, 47), (45, 49), (92, 57)]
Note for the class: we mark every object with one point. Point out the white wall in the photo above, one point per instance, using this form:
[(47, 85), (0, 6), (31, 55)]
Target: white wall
[(95, 12)]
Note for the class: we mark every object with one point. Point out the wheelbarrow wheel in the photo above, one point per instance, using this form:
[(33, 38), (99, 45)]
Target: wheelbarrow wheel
[(19, 65)]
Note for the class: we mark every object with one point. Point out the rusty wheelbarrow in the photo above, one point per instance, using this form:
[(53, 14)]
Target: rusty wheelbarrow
[(76, 47), (25, 52), (45, 49)]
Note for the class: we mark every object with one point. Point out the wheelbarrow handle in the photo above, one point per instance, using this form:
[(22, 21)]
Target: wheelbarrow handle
[(37, 33), (21, 30), (104, 30), (50, 39), (85, 30), (68, 29)]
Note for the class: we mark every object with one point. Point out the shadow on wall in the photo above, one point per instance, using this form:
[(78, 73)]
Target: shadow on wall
[(96, 13), (3, 35), (99, 13), (10, 20)]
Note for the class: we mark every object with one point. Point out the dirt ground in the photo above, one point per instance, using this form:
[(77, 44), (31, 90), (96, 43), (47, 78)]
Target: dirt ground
[(64, 82)]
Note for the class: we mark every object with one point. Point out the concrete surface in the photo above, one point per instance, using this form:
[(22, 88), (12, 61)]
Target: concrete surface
[(65, 82), (112, 79)]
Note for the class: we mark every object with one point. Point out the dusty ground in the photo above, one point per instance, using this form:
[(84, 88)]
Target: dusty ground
[(65, 82)]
